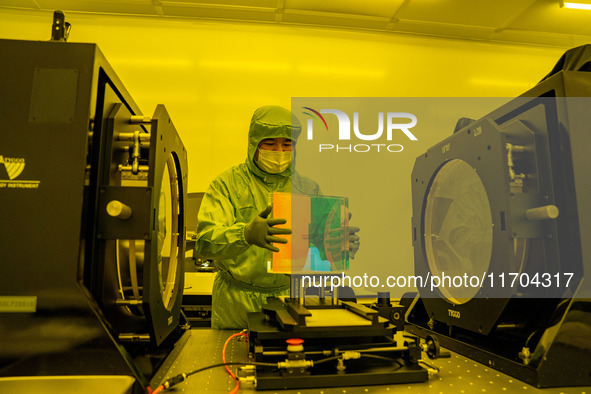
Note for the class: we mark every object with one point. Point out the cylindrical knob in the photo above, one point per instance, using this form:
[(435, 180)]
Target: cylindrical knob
[(384, 298), (542, 213), (119, 210), (140, 119)]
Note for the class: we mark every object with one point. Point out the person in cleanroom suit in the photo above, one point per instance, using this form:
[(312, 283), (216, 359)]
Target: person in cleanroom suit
[(234, 228)]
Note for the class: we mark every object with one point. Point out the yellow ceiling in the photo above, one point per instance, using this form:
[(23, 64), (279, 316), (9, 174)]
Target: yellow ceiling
[(539, 22)]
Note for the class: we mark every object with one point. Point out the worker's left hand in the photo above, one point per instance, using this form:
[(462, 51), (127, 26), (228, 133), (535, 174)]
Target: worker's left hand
[(335, 238), (354, 240)]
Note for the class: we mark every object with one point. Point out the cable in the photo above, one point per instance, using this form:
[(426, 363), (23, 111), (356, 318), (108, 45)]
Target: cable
[(529, 338), (181, 377), (400, 365), (233, 363), (237, 387), (324, 360), (378, 357)]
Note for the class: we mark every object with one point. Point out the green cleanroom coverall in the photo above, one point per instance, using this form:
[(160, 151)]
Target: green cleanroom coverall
[(232, 201)]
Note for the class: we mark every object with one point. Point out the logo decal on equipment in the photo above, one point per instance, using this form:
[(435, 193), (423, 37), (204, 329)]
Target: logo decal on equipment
[(14, 167)]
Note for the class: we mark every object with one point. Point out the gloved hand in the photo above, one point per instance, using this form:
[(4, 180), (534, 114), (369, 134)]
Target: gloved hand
[(335, 238), (354, 241), (260, 230)]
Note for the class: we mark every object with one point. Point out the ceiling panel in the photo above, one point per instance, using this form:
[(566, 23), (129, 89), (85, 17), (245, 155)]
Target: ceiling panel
[(239, 3), (382, 8), (538, 38), (444, 29), (19, 3), (332, 19), (539, 22), (464, 12), (130, 7), (546, 15), (219, 12)]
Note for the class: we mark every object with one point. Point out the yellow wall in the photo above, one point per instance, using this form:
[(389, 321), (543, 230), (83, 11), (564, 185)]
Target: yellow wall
[(212, 75)]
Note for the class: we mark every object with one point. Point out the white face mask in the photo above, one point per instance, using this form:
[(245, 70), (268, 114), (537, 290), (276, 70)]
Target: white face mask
[(273, 162)]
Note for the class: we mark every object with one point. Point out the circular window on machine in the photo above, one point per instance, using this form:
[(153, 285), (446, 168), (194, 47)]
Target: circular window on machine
[(169, 232), (458, 230)]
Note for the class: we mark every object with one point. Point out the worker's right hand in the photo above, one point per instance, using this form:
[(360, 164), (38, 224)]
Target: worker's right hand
[(260, 231)]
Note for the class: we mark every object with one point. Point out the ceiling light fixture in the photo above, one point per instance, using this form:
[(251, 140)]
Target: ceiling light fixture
[(578, 5)]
